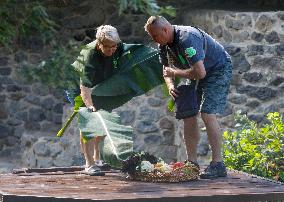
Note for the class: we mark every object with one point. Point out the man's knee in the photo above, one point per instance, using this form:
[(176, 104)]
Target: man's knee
[(207, 118), (190, 120)]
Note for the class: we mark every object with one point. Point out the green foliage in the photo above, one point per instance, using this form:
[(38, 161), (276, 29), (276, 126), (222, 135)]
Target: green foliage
[(149, 7), (125, 84), (19, 20), (171, 102), (56, 71), (171, 105), (117, 145), (254, 149), (78, 102), (136, 62)]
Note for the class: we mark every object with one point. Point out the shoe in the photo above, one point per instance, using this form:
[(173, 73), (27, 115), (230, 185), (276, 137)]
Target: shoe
[(102, 165), (94, 170), (214, 170)]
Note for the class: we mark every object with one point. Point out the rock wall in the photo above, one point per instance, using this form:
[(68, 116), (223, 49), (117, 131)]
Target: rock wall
[(24, 108), (30, 115), (255, 42)]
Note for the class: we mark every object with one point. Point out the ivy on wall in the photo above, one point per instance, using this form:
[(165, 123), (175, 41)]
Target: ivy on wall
[(20, 19), (30, 18), (149, 7), (55, 71)]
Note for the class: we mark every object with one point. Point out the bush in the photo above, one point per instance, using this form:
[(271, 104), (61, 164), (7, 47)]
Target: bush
[(21, 19), (56, 71), (256, 149)]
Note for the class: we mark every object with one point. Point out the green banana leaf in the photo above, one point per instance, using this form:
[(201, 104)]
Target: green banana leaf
[(84, 57), (78, 103), (139, 72), (117, 144)]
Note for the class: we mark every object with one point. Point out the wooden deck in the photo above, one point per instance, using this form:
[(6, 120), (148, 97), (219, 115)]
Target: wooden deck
[(62, 185)]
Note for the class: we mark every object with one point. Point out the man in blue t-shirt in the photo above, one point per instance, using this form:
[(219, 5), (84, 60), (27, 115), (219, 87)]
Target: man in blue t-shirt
[(205, 70)]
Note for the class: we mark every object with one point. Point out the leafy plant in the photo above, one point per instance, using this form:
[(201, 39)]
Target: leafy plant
[(256, 149), (149, 7), (117, 144), (78, 102), (16, 23), (136, 60), (56, 70)]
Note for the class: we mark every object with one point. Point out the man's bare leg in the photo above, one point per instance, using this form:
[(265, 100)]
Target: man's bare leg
[(214, 135), (191, 137)]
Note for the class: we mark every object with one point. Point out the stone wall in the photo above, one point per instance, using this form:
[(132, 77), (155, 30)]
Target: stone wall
[(255, 42), (24, 108), (30, 115)]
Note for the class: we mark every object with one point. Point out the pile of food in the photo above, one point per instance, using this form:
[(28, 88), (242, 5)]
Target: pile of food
[(145, 167)]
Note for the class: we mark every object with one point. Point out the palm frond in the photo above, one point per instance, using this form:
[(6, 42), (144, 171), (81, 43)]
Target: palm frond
[(117, 144), (139, 72)]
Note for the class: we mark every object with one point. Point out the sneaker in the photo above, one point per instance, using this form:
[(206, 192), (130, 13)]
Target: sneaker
[(94, 170), (102, 165), (214, 170)]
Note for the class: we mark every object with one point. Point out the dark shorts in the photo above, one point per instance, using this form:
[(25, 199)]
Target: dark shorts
[(211, 94)]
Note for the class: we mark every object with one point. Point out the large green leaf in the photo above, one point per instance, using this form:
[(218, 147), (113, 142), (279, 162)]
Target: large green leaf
[(117, 86), (84, 57), (78, 102), (117, 144), (139, 72)]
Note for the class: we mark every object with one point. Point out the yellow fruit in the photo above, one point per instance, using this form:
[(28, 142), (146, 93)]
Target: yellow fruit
[(157, 165)]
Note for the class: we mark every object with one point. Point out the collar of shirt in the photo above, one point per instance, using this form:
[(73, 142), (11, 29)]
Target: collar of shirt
[(176, 37)]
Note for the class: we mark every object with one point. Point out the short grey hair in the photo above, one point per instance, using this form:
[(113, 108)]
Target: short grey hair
[(107, 32), (157, 21)]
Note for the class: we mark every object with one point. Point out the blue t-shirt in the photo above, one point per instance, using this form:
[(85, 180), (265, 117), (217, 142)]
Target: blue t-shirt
[(188, 48)]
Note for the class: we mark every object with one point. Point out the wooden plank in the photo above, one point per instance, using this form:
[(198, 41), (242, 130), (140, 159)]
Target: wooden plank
[(114, 187), (46, 170)]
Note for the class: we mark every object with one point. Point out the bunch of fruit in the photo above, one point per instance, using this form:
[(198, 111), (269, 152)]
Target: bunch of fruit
[(144, 162)]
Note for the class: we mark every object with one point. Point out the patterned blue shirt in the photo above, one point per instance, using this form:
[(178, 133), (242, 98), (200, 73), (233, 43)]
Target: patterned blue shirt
[(188, 48)]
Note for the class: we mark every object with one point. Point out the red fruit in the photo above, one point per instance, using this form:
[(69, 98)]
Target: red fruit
[(178, 165)]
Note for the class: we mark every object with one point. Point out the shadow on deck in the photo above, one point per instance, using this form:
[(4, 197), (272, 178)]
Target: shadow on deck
[(69, 184)]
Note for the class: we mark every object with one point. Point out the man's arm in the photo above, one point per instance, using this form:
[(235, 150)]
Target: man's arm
[(87, 98), (197, 71)]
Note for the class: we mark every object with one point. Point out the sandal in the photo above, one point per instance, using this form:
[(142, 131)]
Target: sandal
[(102, 165), (94, 170)]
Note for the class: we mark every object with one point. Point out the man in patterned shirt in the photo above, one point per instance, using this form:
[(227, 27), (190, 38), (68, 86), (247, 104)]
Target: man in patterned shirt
[(197, 57)]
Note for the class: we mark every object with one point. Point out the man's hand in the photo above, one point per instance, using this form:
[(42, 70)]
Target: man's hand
[(173, 92), (169, 72), (91, 109)]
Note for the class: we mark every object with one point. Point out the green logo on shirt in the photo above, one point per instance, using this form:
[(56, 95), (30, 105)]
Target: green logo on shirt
[(115, 63), (190, 52)]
